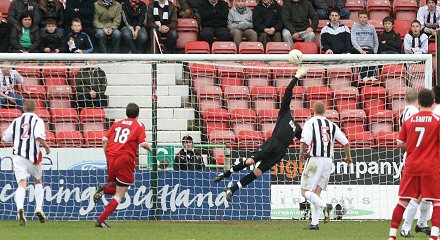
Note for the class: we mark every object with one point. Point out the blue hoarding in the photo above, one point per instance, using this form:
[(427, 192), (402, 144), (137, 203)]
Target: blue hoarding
[(181, 195)]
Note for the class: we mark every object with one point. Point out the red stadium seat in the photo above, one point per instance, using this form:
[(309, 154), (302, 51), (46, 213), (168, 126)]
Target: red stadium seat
[(209, 97), (230, 69), (251, 48), (281, 83), (373, 98), (9, 114), (50, 138), (381, 121), (70, 139), (92, 119), (222, 137), (202, 69), (277, 48), (219, 155), (187, 29), (417, 74), (35, 92), (224, 48), (28, 69), (257, 70), (197, 47), (377, 24), (297, 96), (31, 81), (237, 97), (249, 138), (242, 119), (227, 81), (203, 81), (74, 68), (267, 119), (94, 138), (4, 7), (332, 115), (264, 97), (54, 69), (55, 81), (405, 9), (307, 47), (215, 119), (354, 6), (353, 120), (44, 114), (314, 77), (378, 9), (301, 115), (361, 139), (392, 71), (282, 70), (402, 27), (59, 96), (347, 22), (64, 119), (346, 98), (387, 139), (147, 2), (339, 77), (322, 93)]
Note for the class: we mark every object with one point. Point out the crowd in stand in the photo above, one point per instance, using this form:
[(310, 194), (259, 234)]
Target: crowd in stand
[(104, 26)]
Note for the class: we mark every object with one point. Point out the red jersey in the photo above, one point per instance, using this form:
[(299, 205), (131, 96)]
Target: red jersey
[(124, 137), (421, 132)]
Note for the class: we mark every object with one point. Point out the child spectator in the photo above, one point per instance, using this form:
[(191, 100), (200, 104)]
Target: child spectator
[(162, 16), (416, 42), (25, 35), (240, 23), (51, 38), (4, 35), (52, 9), (77, 41), (364, 40), (389, 41)]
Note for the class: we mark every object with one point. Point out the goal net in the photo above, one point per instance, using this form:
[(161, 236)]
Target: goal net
[(228, 105)]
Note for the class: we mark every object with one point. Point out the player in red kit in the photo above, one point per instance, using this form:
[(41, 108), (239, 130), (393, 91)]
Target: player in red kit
[(420, 136), (120, 147)]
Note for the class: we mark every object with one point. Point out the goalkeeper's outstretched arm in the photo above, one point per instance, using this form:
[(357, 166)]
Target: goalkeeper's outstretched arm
[(287, 98)]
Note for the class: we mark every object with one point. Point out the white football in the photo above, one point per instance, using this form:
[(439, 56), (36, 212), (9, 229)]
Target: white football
[(295, 56)]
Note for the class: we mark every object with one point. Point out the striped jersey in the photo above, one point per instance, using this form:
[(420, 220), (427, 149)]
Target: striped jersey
[(8, 81), (320, 134), (23, 132), (407, 112)]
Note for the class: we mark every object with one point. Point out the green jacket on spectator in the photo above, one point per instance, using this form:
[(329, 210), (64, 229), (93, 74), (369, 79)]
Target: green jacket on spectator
[(107, 18)]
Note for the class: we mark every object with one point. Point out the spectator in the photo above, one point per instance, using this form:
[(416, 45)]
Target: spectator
[(323, 8), (429, 17), (77, 41), (416, 42), (11, 80), (133, 30), (52, 9), (4, 35), (25, 36), (240, 23), (107, 20), (51, 38), (84, 10), (90, 86), (389, 41), (188, 158), (18, 7), (364, 40), (300, 21), (189, 9), (335, 37), (162, 17), (267, 21), (214, 20)]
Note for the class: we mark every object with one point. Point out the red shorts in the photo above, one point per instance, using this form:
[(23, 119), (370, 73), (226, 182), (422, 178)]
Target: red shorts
[(414, 186), (121, 169)]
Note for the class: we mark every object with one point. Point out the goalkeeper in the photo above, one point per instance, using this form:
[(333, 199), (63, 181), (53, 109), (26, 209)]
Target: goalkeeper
[(273, 150)]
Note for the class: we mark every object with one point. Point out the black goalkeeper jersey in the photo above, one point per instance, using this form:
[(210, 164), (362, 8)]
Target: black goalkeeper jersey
[(286, 128)]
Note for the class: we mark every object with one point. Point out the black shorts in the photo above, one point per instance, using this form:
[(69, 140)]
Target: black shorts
[(269, 153)]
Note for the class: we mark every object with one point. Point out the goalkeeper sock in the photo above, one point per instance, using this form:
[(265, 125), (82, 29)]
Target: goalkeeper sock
[(39, 196), (244, 181), (110, 190), (411, 211), (425, 207), (20, 194), (110, 208), (316, 211), (314, 199), (240, 166)]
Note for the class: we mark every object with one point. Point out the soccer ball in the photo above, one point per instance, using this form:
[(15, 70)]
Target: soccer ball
[(295, 56)]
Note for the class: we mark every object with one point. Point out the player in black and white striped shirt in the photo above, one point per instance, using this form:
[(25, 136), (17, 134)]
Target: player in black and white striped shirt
[(27, 134), (319, 135)]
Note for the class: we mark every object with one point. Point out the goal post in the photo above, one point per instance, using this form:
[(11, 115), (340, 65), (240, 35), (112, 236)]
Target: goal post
[(228, 104)]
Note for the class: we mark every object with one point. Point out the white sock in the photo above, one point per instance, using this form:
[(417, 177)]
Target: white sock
[(20, 194), (425, 210), (39, 196), (314, 199), (316, 211), (411, 211), (393, 232), (434, 231)]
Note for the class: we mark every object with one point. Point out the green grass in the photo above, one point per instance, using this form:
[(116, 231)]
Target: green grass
[(222, 230)]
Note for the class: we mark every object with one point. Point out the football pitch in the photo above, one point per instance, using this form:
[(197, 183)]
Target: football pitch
[(194, 230)]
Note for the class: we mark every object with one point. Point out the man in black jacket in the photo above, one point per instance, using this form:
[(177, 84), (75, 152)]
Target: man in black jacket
[(267, 21), (323, 8), (335, 37), (389, 41), (188, 158), (133, 30), (4, 35), (214, 20)]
